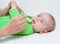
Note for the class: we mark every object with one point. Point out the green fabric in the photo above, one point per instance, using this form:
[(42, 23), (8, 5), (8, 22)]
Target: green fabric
[(4, 20), (28, 30), (14, 12)]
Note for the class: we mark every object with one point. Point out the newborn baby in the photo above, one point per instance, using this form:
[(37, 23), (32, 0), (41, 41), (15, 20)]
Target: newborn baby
[(42, 23)]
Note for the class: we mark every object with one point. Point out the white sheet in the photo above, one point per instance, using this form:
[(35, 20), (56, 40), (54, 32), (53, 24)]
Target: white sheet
[(33, 7)]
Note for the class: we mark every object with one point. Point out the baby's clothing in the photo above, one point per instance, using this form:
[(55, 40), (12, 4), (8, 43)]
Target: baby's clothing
[(4, 20), (14, 12)]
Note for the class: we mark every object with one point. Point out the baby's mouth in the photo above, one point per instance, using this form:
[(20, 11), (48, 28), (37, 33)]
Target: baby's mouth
[(34, 21)]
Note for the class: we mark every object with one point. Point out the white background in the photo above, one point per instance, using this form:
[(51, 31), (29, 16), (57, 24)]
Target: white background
[(33, 7)]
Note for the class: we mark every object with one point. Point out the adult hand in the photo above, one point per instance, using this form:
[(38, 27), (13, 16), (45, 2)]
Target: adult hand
[(4, 11), (16, 25)]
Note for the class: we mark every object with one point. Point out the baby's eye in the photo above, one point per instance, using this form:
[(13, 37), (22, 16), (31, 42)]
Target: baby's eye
[(42, 21), (38, 15)]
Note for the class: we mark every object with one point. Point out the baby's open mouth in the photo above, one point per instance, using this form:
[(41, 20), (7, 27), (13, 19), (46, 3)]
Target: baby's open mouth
[(34, 21)]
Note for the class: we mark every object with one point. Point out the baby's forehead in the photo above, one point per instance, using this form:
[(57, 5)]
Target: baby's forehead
[(46, 17), (44, 14)]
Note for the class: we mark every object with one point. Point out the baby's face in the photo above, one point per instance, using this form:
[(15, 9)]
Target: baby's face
[(41, 22)]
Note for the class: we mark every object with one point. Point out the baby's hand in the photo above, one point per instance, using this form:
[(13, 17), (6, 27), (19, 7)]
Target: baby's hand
[(17, 24)]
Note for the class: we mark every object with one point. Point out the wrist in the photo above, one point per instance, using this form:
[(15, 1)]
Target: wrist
[(3, 32)]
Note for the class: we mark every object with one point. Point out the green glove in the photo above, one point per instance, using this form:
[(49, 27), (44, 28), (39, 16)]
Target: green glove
[(28, 30)]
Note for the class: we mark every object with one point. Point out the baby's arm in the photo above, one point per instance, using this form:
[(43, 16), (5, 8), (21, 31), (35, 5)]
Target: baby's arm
[(14, 5)]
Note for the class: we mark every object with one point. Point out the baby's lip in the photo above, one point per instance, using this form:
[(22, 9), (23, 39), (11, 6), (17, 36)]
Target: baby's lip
[(34, 21)]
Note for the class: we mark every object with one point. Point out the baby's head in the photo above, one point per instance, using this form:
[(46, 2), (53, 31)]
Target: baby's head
[(43, 23)]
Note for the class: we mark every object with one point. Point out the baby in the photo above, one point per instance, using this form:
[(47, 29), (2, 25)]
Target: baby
[(42, 23)]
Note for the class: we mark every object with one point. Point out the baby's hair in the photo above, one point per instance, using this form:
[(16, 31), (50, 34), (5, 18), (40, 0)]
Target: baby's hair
[(52, 26)]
